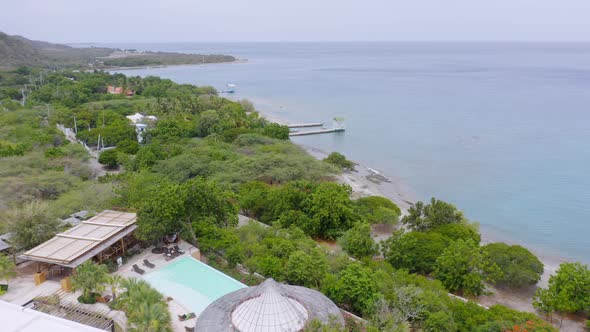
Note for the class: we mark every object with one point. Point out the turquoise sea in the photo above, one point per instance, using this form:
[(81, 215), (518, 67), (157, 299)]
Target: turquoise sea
[(500, 129)]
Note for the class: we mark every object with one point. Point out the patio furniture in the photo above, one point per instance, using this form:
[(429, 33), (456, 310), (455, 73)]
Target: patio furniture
[(148, 264), (138, 270), (158, 250), (188, 316), (178, 250)]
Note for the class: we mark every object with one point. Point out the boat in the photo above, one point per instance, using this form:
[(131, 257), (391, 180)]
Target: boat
[(231, 88)]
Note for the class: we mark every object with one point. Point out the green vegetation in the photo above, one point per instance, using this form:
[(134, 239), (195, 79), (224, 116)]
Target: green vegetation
[(90, 279), (146, 308), (7, 270), (518, 265), (378, 210), (463, 267), (109, 158), (568, 291), (30, 224), (426, 217), (340, 161), (358, 243)]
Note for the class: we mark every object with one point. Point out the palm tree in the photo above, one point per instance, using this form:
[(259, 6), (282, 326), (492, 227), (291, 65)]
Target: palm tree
[(150, 318), (89, 277), (138, 291), (114, 281), (7, 268)]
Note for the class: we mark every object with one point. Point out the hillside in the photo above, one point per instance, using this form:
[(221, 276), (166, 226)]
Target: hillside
[(18, 51)]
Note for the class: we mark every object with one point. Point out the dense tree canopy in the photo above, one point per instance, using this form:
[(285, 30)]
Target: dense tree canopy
[(358, 242), (464, 266), (423, 217), (568, 290), (519, 266)]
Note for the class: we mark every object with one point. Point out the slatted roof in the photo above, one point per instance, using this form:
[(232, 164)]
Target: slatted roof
[(72, 247)]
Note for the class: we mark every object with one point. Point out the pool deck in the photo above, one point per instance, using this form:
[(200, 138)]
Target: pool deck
[(159, 260), (22, 289)]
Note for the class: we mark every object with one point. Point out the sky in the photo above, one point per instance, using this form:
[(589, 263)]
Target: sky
[(69, 21)]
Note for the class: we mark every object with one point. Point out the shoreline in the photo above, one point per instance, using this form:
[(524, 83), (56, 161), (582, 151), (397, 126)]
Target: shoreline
[(394, 190), (111, 69)]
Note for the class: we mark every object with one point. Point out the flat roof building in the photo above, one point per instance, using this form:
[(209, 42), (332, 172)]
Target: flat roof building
[(84, 241)]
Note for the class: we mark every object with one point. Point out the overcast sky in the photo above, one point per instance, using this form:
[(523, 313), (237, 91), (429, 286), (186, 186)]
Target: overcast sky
[(296, 20)]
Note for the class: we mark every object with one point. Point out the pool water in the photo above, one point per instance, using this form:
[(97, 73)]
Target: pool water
[(192, 283)]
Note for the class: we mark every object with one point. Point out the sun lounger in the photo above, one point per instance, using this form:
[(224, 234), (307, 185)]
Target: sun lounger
[(136, 269), (148, 264), (178, 250), (186, 316)]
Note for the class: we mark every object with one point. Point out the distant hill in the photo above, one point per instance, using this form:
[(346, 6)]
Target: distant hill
[(18, 51)]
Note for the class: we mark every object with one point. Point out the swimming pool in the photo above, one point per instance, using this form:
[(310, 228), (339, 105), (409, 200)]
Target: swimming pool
[(192, 283)]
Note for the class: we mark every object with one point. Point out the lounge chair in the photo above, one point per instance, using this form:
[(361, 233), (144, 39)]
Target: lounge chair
[(136, 269), (189, 329), (178, 250), (148, 264), (187, 316)]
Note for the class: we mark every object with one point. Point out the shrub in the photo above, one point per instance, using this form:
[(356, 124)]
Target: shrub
[(520, 266), (340, 161), (109, 158)]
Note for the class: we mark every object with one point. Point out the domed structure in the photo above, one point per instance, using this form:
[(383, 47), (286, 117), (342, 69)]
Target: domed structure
[(268, 307)]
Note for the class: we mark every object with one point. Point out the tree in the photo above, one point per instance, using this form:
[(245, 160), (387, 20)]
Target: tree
[(109, 158), (150, 318), (7, 268), (414, 251), (568, 290), (340, 161), (306, 269), (354, 289), (440, 321), (276, 130), (377, 210), (358, 241), (129, 146), (463, 231), (519, 266), (89, 277), (331, 207), (179, 207), (426, 217), (114, 281), (31, 225), (464, 266)]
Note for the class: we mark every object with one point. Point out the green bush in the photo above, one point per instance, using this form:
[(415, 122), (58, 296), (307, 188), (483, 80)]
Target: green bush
[(519, 266), (340, 161), (109, 158)]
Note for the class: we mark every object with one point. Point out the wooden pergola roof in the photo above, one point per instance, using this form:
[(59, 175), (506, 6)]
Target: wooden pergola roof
[(80, 243)]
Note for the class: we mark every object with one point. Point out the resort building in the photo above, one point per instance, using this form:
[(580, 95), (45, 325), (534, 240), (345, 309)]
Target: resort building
[(104, 236), (119, 90), (268, 307), (141, 122)]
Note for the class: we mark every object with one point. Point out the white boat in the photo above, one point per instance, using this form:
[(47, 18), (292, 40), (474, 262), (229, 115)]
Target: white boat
[(231, 88)]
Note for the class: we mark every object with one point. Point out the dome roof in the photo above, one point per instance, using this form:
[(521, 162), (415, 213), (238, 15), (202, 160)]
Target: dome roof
[(270, 306), (272, 309)]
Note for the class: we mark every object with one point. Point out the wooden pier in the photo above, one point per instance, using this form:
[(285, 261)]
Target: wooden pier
[(305, 125), (314, 132)]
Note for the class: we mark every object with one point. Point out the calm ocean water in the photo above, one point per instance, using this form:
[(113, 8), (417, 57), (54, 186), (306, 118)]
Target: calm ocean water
[(501, 130)]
